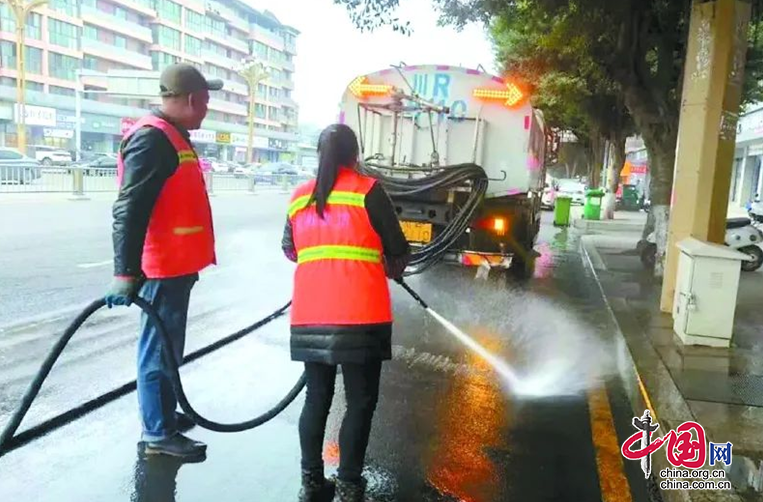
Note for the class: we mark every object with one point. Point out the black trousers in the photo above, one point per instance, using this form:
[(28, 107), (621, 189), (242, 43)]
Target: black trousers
[(361, 383)]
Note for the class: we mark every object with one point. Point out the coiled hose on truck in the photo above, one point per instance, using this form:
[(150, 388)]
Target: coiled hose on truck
[(443, 178), (9, 442)]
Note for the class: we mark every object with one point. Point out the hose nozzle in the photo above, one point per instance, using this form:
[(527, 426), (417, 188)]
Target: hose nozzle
[(411, 292)]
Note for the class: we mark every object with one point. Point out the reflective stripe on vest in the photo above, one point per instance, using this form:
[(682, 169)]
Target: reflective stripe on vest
[(353, 253), (186, 156), (335, 199)]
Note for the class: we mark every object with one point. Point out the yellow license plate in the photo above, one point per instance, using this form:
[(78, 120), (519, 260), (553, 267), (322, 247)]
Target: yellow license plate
[(417, 232)]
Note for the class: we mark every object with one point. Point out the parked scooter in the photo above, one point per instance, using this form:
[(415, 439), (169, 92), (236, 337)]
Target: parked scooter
[(742, 234)]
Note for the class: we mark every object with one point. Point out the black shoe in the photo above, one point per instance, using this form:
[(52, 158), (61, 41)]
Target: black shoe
[(184, 422), (350, 491), (176, 446), (315, 487)]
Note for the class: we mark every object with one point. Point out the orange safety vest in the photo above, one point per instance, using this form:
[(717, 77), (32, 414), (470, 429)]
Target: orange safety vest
[(340, 278), (180, 238)]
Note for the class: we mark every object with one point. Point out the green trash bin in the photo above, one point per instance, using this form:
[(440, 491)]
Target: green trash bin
[(562, 207), (592, 207)]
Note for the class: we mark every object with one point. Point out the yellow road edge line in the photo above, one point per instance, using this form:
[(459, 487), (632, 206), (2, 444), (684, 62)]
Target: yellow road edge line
[(645, 396), (613, 483)]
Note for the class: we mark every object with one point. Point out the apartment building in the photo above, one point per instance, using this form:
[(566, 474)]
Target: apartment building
[(146, 35)]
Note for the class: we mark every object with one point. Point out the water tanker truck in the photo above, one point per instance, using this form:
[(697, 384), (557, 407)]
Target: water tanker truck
[(461, 153)]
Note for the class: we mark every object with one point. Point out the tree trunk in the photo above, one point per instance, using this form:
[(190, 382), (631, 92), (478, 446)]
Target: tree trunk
[(661, 144), (616, 162)]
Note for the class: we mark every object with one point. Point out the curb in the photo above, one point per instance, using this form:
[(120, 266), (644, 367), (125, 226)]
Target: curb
[(640, 398)]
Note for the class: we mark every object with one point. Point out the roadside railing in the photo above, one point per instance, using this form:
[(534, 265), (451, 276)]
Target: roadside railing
[(79, 181)]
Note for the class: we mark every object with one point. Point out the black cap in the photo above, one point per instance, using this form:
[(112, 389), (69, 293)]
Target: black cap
[(182, 78)]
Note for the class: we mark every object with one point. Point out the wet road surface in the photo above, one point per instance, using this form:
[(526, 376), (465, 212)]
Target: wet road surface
[(447, 427)]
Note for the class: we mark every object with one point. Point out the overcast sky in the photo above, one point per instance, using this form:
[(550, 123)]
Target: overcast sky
[(331, 52)]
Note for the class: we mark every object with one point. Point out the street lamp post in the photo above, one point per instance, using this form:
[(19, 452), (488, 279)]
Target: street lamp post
[(253, 73), (20, 10)]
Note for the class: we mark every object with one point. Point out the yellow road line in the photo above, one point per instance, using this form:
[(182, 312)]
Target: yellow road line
[(646, 397), (609, 461)]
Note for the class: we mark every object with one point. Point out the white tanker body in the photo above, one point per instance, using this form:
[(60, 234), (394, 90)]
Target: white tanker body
[(419, 123)]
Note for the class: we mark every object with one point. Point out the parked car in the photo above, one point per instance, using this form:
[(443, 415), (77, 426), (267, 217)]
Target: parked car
[(573, 189), (102, 165), (273, 172), (243, 171), (548, 199), (50, 155), (15, 167)]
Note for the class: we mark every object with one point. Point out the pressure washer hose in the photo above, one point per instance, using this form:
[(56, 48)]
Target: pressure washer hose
[(7, 439)]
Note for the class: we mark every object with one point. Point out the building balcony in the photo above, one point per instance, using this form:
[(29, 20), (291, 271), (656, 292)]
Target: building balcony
[(117, 25), (221, 61), (290, 103), (291, 48), (221, 105), (230, 42), (138, 7), (268, 38), (116, 54), (235, 87)]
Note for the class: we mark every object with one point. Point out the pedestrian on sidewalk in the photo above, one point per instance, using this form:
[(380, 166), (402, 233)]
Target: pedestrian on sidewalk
[(343, 233), (163, 238)]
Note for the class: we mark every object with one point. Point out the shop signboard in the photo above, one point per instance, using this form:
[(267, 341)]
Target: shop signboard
[(203, 136), (36, 115), (223, 138)]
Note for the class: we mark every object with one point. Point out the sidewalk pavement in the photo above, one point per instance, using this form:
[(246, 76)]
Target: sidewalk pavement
[(722, 389)]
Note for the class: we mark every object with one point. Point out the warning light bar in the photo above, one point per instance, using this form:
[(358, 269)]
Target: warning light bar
[(511, 96), (361, 88)]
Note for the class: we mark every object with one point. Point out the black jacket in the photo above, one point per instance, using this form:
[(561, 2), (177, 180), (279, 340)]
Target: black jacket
[(358, 343), (149, 160)]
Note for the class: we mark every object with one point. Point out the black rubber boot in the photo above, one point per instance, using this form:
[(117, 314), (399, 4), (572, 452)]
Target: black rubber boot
[(315, 487), (347, 491)]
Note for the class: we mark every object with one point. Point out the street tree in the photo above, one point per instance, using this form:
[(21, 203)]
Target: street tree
[(639, 46)]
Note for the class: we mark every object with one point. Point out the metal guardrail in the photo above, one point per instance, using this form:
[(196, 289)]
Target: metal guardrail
[(80, 181)]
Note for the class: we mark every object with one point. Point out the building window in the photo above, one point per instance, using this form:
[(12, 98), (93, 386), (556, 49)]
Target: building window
[(33, 60), (62, 67), (90, 63), (90, 3), (68, 7), (168, 11), (33, 23), (214, 27), (34, 26), (61, 91), (120, 13), (193, 45), (260, 110), (7, 54), (194, 22), (90, 32), (33, 57), (120, 41), (63, 34), (167, 37), (34, 86), (261, 50), (162, 59)]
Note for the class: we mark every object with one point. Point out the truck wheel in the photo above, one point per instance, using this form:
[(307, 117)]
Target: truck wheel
[(756, 254), (648, 255), (522, 268)]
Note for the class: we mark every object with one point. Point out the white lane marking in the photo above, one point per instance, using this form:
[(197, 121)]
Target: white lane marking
[(95, 264)]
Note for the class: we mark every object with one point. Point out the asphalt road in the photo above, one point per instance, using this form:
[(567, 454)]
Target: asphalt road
[(448, 427)]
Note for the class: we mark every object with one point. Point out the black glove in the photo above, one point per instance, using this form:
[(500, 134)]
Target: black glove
[(122, 291)]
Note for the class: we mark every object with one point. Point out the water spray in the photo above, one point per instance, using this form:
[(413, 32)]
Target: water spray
[(498, 364)]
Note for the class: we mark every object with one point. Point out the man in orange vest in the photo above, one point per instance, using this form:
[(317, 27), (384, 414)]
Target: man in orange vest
[(163, 238)]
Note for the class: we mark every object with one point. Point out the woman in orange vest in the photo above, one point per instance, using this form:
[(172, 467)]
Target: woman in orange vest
[(343, 233)]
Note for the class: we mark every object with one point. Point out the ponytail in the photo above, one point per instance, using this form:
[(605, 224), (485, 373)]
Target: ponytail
[(337, 147)]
